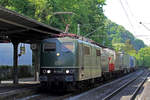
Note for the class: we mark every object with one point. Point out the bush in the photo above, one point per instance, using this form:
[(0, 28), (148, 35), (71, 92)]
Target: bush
[(6, 72)]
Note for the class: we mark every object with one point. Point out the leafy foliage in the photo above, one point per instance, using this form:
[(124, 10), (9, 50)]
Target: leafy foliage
[(118, 34), (89, 14), (144, 56)]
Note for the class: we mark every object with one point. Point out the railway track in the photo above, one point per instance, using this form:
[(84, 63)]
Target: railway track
[(106, 89), (137, 90), (17, 91), (46, 97), (102, 90), (116, 95)]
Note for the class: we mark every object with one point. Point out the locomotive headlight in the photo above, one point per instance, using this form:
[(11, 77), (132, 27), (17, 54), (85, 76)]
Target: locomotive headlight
[(57, 54), (44, 71), (48, 71), (67, 71)]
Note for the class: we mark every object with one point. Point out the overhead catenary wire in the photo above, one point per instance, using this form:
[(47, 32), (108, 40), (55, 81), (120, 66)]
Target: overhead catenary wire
[(142, 35), (126, 2), (145, 26), (131, 12), (128, 18), (87, 35), (135, 18)]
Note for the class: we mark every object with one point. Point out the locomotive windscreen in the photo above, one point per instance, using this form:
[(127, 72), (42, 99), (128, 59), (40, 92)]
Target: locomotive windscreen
[(50, 47), (67, 46), (58, 54)]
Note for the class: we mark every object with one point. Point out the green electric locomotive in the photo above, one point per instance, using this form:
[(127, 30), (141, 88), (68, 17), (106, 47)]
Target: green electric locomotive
[(67, 62)]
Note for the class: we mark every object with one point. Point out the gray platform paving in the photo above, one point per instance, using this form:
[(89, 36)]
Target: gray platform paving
[(29, 80), (8, 85), (145, 91)]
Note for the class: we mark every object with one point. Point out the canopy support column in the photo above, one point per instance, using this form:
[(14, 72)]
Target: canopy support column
[(36, 73), (15, 62), (36, 59)]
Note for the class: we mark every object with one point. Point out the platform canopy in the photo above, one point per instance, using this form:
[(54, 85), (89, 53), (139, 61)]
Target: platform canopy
[(14, 26)]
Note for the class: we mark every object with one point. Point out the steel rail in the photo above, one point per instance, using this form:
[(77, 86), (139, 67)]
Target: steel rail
[(108, 97), (137, 90), (40, 96)]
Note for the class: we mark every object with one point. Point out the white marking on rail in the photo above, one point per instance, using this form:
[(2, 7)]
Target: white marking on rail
[(29, 97)]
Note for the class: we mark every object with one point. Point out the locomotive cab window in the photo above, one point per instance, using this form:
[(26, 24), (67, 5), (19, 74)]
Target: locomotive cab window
[(67, 46), (49, 47)]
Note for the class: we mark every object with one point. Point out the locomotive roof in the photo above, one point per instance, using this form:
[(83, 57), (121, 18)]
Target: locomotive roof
[(88, 43), (69, 38), (74, 36)]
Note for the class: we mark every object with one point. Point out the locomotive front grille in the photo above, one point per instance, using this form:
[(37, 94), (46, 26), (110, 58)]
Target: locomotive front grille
[(50, 71), (57, 77), (57, 74)]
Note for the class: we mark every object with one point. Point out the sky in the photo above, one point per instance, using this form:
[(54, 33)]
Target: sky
[(129, 13), (6, 55)]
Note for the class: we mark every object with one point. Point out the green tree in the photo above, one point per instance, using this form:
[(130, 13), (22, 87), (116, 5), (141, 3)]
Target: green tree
[(118, 34), (119, 46), (144, 56), (88, 13)]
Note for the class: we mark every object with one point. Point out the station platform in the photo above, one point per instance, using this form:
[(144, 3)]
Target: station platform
[(23, 83), (24, 87), (29, 80), (144, 93)]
